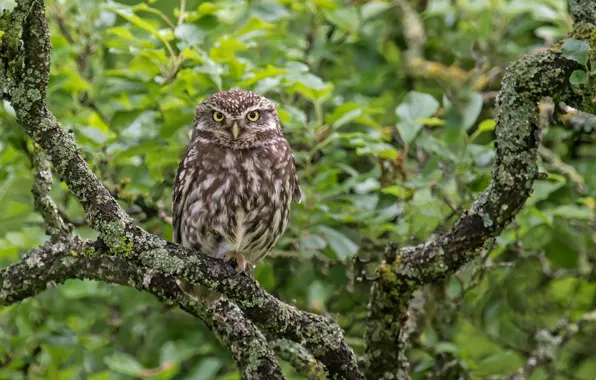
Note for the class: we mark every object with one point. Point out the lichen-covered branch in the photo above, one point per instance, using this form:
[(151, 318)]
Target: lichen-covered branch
[(44, 204), (583, 10), (25, 51), (55, 262), (299, 358), (526, 82), (577, 120)]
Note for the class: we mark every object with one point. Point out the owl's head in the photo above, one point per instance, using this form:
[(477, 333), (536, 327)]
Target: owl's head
[(237, 119)]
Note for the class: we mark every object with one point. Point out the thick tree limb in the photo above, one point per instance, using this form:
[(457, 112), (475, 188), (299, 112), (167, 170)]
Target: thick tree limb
[(526, 82), (54, 263), (119, 236)]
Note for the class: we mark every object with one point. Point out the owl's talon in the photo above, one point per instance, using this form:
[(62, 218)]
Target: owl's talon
[(240, 260)]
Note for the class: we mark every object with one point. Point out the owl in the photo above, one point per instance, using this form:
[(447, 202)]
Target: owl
[(235, 183)]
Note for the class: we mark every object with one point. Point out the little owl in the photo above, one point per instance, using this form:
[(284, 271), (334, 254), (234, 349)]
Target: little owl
[(235, 183)]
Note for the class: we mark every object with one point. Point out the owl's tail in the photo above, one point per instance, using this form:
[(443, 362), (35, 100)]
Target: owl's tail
[(198, 292)]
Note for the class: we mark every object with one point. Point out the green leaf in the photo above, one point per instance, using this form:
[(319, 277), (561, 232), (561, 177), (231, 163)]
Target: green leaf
[(415, 106), (206, 369), (190, 34), (397, 191), (574, 212), (207, 8), (265, 275), (446, 347), (344, 18), (176, 352), (124, 363), (269, 11), (312, 242), (578, 77), (465, 111), (373, 8), (225, 49), (576, 50), (487, 125), (343, 247)]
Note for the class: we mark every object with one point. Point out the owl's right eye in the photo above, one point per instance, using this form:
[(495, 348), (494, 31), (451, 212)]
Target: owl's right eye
[(218, 116)]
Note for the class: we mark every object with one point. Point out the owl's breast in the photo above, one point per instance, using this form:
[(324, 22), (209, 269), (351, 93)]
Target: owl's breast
[(242, 203)]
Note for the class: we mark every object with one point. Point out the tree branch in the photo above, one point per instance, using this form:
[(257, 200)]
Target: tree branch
[(526, 81), (44, 203), (583, 10), (119, 237), (579, 121), (299, 358), (54, 263)]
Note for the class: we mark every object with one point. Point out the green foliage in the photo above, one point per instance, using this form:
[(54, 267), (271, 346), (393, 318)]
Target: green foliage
[(576, 50), (384, 154)]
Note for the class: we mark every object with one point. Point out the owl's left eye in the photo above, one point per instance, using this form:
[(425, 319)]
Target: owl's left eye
[(218, 116), (253, 115)]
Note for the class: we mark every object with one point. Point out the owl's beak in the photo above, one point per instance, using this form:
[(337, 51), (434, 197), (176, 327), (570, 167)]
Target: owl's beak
[(235, 130)]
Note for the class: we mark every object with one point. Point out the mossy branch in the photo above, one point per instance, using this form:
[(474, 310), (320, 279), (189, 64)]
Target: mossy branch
[(300, 358), (69, 258), (405, 270), (23, 80), (44, 204)]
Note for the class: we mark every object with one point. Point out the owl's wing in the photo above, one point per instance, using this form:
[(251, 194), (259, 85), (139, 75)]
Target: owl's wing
[(297, 190), (184, 178)]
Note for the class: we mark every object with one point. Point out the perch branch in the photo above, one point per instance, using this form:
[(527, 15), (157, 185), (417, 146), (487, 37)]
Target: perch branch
[(55, 262)]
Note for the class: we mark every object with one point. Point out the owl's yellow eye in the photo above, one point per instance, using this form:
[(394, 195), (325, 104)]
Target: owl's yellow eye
[(218, 116), (253, 115)]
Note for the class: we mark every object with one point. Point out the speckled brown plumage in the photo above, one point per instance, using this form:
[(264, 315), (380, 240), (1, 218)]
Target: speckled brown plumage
[(233, 195)]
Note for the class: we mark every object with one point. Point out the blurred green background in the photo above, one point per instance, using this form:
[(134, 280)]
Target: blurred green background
[(387, 151)]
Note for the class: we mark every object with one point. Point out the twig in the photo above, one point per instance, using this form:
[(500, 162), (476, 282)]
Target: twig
[(578, 120), (295, 354), (555, 164), (44, 204)]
